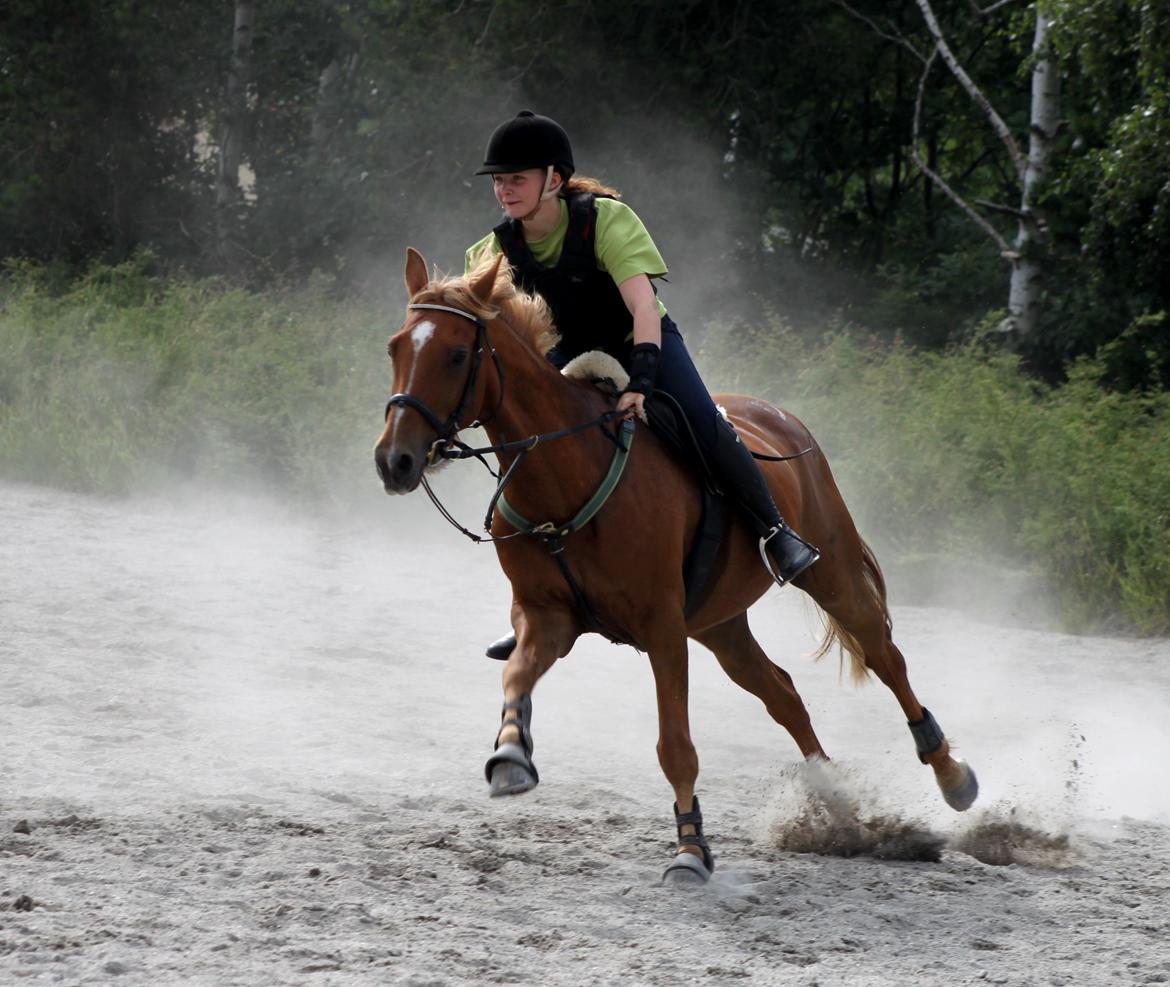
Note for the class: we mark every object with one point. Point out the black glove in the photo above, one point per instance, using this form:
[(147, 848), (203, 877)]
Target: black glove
[(644, 359)]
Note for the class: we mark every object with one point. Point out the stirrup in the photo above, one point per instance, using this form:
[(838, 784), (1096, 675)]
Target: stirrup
[(799, 566)]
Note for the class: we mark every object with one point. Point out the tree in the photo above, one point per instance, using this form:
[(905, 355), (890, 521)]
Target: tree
[(233, 138), (1026, 283), (1110, 201), (99, 109)]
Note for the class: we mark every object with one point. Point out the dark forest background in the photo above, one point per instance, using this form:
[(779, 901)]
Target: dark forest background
[(774, 136)]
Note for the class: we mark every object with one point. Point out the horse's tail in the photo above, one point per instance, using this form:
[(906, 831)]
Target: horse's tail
[(873, 586)]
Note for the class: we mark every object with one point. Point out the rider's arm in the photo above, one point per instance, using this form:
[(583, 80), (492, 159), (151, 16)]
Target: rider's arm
[(638, 294), (643, 305)]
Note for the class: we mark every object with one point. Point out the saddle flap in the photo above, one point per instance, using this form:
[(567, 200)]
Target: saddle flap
[(667, 421)]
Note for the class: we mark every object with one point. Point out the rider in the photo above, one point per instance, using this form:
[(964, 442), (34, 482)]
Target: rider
[(571, 240)]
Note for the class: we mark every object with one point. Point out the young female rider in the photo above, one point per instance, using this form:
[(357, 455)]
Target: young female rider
[(570, 239)]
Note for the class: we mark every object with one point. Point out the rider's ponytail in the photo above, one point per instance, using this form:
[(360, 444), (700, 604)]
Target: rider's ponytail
[(583, 183)]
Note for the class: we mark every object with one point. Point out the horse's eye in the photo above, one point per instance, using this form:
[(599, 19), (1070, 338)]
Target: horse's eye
[(459, 357)]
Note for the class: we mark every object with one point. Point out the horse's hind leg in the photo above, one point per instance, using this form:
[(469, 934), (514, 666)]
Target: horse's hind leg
[(854, 598), (955, 778), (745, 663)]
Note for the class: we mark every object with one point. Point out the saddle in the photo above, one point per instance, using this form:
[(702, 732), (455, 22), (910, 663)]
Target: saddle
[(666, 420)]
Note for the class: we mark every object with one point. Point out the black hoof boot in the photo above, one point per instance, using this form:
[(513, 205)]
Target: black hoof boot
[(501, 649), (688, 868), (510, 771), (786, 554)]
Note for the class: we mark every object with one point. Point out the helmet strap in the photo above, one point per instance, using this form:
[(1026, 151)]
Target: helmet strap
[(548, 192)]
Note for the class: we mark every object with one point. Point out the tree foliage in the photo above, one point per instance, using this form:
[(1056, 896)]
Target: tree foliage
[(775, 137)]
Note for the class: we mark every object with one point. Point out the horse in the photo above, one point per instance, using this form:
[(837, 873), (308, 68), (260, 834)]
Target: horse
[(473, 348)]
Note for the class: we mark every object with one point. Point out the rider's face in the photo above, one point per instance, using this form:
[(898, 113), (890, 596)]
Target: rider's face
[(518, 192)]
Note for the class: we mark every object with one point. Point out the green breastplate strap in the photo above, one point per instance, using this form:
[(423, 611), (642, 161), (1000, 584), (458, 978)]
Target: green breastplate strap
[(595, 503)]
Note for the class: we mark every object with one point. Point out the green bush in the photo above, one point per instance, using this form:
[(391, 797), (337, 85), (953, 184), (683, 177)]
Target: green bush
[(122, 381)]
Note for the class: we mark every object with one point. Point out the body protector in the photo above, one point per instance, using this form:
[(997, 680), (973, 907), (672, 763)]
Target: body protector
[(587, 307)]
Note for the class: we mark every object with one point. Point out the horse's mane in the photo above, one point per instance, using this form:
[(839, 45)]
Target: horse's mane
[(528, 314)]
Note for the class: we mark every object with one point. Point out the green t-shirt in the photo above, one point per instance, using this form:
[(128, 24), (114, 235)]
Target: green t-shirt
[(621, 243)]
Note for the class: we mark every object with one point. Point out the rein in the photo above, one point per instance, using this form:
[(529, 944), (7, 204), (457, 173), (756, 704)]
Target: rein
[(525, 446)]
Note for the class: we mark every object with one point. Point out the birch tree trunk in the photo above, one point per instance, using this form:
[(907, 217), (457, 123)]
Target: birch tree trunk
[(1025, 288), (228, 196), (1027, 282)]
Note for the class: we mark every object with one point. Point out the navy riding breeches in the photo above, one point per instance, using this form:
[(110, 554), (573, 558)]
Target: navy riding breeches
[(678, 377)]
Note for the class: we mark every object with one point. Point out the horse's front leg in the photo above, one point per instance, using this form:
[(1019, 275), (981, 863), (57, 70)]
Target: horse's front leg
[(693, 861), (542, 636)]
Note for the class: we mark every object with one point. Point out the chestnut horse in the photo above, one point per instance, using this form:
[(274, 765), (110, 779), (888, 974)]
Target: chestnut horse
[(471, 351)]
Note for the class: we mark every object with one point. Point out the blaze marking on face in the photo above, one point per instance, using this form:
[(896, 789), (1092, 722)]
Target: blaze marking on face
[(419, 336)]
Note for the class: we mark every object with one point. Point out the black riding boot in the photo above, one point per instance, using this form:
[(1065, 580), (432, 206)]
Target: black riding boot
[(784, 552), (502, 648)]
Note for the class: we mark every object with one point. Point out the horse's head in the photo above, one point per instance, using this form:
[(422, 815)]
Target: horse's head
[(441, 365)]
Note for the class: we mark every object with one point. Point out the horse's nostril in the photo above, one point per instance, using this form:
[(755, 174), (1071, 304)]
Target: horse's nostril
[(403, 463)]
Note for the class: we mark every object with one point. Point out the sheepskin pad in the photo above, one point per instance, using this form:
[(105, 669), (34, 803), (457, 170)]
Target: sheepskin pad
[(600, 368)]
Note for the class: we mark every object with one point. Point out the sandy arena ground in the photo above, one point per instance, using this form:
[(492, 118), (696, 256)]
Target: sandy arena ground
[(241, 748)]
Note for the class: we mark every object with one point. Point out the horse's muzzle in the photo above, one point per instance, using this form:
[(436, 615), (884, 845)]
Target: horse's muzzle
[(399, 470)]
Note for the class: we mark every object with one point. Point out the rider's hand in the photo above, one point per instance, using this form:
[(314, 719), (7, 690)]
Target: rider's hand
[(632, 403)]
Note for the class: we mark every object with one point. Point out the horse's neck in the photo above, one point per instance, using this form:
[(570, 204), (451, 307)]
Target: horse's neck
[(538, 400)]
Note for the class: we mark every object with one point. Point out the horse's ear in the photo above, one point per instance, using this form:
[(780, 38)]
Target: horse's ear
[(415, 274), (484, 282)]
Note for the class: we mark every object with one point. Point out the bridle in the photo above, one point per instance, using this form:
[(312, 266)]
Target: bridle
[(445, 431), (447, 446)]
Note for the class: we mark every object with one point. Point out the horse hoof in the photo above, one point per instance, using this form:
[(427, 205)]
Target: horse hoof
[(686, 870), (510, 771), (963, 796)]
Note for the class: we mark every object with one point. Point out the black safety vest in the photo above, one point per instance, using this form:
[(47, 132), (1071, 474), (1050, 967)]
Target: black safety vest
[(587, 307)]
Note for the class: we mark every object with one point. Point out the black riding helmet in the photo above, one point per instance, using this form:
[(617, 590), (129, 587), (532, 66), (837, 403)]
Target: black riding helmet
[(528, 141)]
